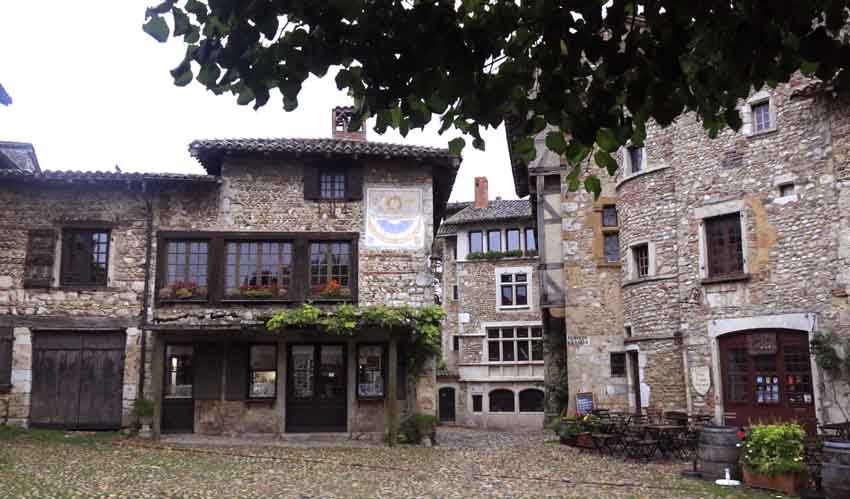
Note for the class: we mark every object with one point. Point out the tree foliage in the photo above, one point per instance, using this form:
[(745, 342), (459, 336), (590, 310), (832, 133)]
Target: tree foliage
[(590, 69)]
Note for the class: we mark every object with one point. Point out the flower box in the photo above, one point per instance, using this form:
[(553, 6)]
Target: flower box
[(787, 483), (257, 292), (332, 291), (183, 291)]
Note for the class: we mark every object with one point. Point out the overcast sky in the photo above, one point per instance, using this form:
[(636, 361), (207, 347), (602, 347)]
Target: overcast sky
[(90, 89)]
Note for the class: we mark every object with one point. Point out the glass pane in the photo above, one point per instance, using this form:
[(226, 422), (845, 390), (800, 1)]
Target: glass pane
[(507, 296), (738, 375), (612, 248), (494, 240), (263, 357), (609, 216), (501, 401), (530, 240), (508, 351), (331, 376), (537, 350), (476, 242), (521, 294), (522, 352), (506, 278), (636, 158), (520, 278), (492, 333), (178, 371), (522, 332), (537, 332), (477, 403), (302, 371), (263, 384), (493, 351), (531, 400), (370, 371), (513, 240), (508, 332)]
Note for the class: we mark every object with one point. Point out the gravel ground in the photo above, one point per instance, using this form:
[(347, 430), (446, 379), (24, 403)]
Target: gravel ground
[(466, 464)]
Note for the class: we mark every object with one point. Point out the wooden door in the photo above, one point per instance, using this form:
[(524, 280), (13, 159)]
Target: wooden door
[(317, 398), (77, 380), (447, 404), (767, 377), (178, 403)]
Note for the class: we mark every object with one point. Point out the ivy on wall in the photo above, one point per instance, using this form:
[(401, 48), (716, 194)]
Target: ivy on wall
[(424, 324), (832, 354)]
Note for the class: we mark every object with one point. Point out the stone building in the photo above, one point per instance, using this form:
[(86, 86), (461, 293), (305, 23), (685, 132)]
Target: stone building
[(697, 279), (118, 286), (493, 340)]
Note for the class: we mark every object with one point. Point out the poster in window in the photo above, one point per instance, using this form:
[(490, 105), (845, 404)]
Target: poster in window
[(394, 218), (370, 372)]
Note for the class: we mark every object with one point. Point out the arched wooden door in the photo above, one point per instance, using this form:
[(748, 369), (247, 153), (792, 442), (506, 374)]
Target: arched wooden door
[(767, 377), (447, 404)]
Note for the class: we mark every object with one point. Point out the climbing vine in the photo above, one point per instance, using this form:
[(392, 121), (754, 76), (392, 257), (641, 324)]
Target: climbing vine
[(423, 322), (832, 354)]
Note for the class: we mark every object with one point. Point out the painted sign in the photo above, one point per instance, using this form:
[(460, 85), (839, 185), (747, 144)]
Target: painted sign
[(584, 402), (394, 218), (701, 380)]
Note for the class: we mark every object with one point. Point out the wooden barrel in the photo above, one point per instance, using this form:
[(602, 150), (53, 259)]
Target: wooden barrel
[(835, 470), (718, 449)]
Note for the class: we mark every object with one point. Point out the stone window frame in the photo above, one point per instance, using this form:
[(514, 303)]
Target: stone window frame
[(627, 161), (527, 270), (623, 364), (530, 326), (600, 231), (519, 393), (632, 268), (715, 210), (748, 117), (782, 181)]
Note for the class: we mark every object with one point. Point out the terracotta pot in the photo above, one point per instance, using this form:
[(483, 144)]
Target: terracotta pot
[(584, 440), (787, 483)]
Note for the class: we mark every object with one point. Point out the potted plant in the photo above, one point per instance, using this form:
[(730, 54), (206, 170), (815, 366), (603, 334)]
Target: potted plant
[(332, 289), (773, 457), (182, 290), (576, 431), (257, 292), (143, 408)]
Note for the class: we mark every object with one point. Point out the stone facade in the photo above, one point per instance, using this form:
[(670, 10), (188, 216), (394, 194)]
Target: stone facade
[(245, 196), (476, 309), (788, 183)]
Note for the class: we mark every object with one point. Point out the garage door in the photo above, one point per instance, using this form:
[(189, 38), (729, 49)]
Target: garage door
[(77, 380)]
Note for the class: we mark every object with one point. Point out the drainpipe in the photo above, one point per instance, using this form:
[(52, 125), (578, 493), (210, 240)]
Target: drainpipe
[(146, 298)]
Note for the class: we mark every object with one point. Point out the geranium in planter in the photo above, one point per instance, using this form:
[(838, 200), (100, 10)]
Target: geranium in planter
[(332, 290), (773, 457), (183, 290)]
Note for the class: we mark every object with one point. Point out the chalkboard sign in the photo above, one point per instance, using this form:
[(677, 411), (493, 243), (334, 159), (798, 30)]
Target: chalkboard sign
[(584, 402)]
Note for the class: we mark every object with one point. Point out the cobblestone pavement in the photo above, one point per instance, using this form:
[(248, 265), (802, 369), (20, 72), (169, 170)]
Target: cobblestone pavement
[(466, 464)]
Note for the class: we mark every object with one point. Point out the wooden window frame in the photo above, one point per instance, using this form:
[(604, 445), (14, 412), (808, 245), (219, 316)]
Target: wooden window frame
[(242, 299), (601, 232), (216, 261), (720, 265), (162, 265), (329, 267), (251, 372), (384, 368), (508, 239), (65, 256), (334, 172)]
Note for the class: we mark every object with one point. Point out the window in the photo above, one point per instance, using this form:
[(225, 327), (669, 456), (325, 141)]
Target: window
[(38, 268), (502, 401), (477, 403), (456, 343), (258, 270), (513, 290), (612, 248), (531, 400), (786, 190), (723, 243), (178, 371), (454, 292), (618, 364), (186, 270), (263, 375), (330, 268), (332, 185), (640, 260), (85, 256), (627, 330), (494, 240), (476, 242), (515, 344), (530, 241), (371, 372), (738, 375), (761, 116), (635, 159), (609, 216), (512, 236)]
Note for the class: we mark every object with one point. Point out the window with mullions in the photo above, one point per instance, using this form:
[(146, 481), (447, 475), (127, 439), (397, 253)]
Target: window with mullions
[(513, 290), (761, 116), (609, 216), (258, 270), (332, 185), (85, 257), (494, 240), (724, 245), (186, 270), (330, 269), (263, 372), (515, 344), (640, 260), (512, 240)]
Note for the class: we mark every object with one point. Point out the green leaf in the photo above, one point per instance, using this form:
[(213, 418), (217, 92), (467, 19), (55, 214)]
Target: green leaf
[(245, 97), (181, 22), (193, 35), (157, 28), (592, 185), (456, 146), (605, 160), (290, 104), (555, 142), (576, 152), (184, 78), (209, 74), (607, 139), (197, 8)]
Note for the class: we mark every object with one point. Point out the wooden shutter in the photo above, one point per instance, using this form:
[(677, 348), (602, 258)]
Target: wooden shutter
[(237, 372), (354, 179), (208, 365), (311, 181), (6, 340), (38, 269)]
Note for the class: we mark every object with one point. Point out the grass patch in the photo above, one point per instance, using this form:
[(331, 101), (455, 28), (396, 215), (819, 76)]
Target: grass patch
[(14, 434)]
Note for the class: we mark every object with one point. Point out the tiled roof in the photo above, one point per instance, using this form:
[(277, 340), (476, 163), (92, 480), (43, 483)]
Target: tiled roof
[(87, 176), (18, 156), (497, 210), (210, 152)]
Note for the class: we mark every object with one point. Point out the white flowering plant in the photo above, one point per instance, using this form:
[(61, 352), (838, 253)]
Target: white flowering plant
[(775, 449)]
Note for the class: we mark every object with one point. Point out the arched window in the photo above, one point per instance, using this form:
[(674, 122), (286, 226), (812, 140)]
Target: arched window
[(502, 401), (531, 400)]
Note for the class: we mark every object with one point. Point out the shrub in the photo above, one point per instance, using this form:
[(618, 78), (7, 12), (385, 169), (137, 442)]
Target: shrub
[(417, 426), (775, 449), (143, 408)]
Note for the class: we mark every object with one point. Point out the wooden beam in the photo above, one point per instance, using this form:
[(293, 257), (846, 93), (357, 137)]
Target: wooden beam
[(65, 322), (157, 371)]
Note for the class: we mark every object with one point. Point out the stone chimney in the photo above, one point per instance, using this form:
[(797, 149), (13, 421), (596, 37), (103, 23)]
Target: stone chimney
[(481, 195), (341, 117)]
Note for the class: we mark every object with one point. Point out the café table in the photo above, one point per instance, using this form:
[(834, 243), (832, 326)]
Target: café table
[(665, 434)]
